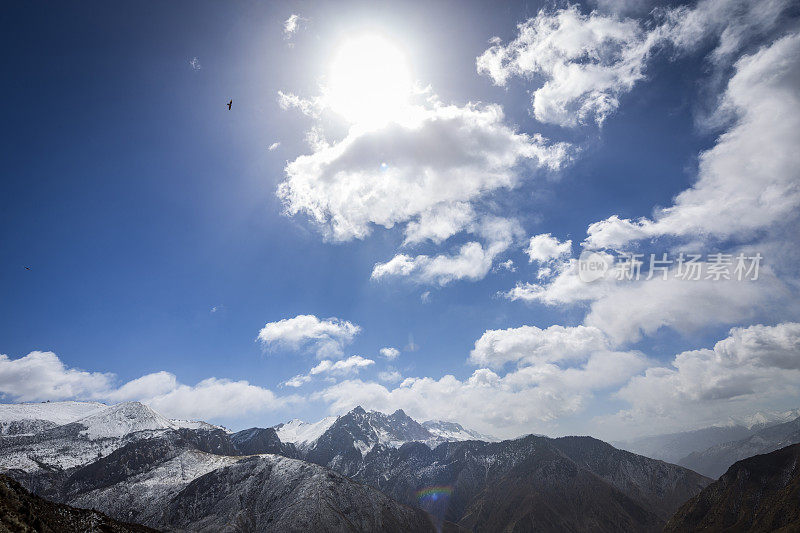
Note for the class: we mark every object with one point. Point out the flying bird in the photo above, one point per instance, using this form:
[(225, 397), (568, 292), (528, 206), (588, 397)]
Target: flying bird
[(27, 268), (230, 104)]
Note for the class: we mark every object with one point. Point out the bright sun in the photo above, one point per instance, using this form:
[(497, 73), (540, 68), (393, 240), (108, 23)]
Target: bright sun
[(369, 82)]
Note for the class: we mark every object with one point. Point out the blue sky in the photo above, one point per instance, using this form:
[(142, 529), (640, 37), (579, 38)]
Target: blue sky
[(148, 215)]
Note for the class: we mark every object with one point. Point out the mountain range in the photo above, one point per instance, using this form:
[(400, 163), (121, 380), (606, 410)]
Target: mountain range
[(715, 460), (361, 471)]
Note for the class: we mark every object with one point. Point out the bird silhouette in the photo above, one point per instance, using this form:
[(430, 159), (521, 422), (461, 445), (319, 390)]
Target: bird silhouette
[(27, 268), (230, 104)]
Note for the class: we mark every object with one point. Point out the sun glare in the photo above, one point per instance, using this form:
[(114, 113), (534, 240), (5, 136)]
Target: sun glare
[(369, 81)]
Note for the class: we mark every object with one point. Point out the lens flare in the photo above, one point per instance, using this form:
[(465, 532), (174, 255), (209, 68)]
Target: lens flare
[(434, 493)]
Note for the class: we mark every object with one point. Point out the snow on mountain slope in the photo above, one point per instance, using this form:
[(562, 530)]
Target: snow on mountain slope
[(274, 493), (122, 419), (140, 498), (303, 434), (31, 418), (196, 424), (453, 432)]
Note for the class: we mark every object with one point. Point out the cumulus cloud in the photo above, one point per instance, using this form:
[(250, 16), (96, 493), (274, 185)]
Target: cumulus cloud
[(325, 337), (556, 371), (147, 386), (519, 402), (437, 156), (390, 376), (750, 180), (545, 248), (754, 367), (472, 261), (345, 366), (274, 146), (440, 222), (42, 376), (530, 345), (297, 381), (684, 305), (587, 62), (215, 397), (390, 353)]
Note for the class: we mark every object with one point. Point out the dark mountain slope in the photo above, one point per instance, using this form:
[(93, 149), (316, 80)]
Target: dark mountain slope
[(273, 493), (761, 493), (23, 512), (549, 492), (637, 491), (262, 440), (660, 486)]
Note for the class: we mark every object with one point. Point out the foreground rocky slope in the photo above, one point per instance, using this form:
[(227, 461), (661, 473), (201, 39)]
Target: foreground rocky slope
[(22, 512), (761, 493)]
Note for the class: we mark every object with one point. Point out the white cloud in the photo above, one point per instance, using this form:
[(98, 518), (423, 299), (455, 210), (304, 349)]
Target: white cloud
[(425, 297), (297, 381), (440, 222), (390, 376), (685, 305), (274, 146), (292, 25), (42, 376), (421, 169), (545, 248), (587, 62), (147, 386), (215, 397), (508, 264), (390, 353), (346, 366), (557, 372), (194, 63), (750, 180), (473, 260), (325, 337), (520, 402), (753, 368), (308, 106), (528, 345)]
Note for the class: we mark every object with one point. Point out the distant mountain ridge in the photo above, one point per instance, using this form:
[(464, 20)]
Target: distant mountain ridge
[(673, 447), (715, 460)]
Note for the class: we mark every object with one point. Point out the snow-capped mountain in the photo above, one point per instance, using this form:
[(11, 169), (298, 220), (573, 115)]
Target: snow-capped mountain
[(367, 428), (303, 434), (47, 445), (31, 418), (453, 432)]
